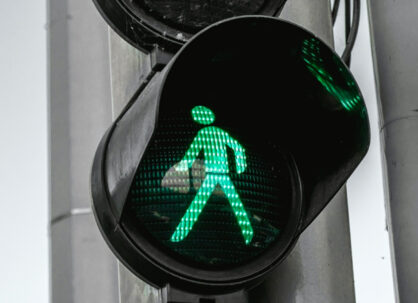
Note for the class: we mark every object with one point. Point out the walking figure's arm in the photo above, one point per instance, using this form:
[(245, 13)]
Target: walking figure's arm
[(190, 156), (240, 157)]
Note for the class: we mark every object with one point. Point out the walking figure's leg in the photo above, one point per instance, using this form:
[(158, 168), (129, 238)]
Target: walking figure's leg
[(239, 210), (194, 210)]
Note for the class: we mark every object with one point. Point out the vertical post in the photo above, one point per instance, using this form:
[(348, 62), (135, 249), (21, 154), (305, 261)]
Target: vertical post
[(394, 38), (82, 267), (320, 267), (129, 67)]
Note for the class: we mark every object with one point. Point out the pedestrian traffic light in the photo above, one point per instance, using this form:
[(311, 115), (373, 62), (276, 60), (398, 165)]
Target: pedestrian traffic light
[(221, 160)]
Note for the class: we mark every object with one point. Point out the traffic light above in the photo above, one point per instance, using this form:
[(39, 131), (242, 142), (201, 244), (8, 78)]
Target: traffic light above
[(171, 23), (218, 164), (195, 14)]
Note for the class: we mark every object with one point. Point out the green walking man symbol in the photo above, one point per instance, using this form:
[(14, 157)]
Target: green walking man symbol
[(214, 142)]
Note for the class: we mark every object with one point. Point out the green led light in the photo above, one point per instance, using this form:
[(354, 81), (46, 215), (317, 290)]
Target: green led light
[(232, 198), (213, 142), (315, 64)]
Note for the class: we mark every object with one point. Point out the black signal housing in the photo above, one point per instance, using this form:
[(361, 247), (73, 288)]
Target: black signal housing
[(304, 131)]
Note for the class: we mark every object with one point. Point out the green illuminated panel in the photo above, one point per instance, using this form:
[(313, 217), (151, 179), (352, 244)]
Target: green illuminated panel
[(205, 194), (349, 97), (213, 142)]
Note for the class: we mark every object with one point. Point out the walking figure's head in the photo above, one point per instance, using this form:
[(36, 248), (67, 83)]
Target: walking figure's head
[(203, 115)]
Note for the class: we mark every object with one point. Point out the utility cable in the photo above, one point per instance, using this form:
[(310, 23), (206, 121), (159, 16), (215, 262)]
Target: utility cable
[(352, 34), (347, 26), (334, 12)]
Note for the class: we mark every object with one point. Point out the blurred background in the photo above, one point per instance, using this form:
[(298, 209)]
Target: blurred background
[(24, 168)]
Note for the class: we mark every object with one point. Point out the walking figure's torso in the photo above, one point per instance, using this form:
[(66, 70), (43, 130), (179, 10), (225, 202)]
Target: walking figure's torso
[(213, 142)]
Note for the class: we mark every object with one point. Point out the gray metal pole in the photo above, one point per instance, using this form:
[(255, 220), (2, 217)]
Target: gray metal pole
[(395, 41), (82, 267), (320, 267), (129, 67)]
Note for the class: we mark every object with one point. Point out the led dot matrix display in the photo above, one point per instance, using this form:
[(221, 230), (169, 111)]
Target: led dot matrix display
[(205, 196), (213, 141)]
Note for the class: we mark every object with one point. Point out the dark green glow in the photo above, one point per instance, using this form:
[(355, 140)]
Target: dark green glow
[(349, 98), (213, 142)]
